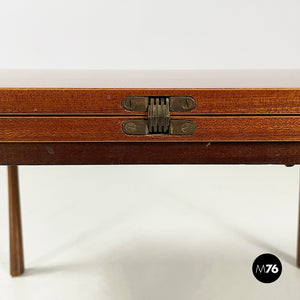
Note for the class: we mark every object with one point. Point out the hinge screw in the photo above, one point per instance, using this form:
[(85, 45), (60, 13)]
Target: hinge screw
[(186, 127), (130, 127)]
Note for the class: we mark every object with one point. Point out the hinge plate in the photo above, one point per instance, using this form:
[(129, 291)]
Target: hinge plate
[(177, 127), (177, 103)]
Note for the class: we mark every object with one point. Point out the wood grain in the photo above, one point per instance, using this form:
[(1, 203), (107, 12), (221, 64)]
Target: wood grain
[(108, 101), (15, 226), (149, 153), (109, 129)]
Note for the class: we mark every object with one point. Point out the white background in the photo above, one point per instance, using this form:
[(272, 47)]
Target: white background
[(159, 34), (185, 232)]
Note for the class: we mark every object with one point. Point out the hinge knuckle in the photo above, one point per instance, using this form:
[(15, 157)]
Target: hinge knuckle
[(158, 115)]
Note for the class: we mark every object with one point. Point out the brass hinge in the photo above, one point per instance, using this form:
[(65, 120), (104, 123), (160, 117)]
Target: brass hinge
[(159, 120)]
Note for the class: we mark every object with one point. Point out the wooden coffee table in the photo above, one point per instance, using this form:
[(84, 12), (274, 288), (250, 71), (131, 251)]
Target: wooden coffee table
[(144, 117)]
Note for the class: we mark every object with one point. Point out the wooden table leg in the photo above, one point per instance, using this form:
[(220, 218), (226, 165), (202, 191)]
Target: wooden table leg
[(298, 241), (15, 226)]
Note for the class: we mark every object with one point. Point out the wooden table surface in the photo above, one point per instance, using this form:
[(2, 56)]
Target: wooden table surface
[(75, 116)]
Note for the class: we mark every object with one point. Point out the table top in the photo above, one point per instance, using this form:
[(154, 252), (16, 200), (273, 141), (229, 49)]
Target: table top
[(76, 117), (150, 78)]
